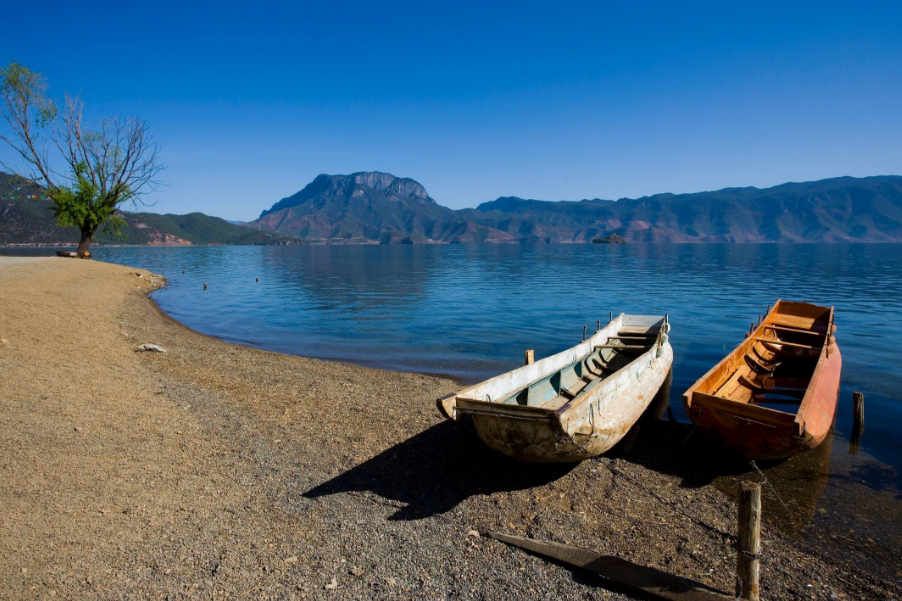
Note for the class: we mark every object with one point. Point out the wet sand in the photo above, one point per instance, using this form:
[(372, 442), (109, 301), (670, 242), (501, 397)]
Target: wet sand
[(221, 471)]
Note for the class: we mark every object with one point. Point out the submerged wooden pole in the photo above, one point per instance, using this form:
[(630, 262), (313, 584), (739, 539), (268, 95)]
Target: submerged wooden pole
[(858, 402), (530, 356), (610, 316), (598, 326), (205, 285), (584, 333), (749, 541), (858, 423)]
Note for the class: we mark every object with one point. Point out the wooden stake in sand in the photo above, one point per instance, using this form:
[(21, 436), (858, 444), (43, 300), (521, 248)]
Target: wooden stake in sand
[(858, 425), (749, 541)]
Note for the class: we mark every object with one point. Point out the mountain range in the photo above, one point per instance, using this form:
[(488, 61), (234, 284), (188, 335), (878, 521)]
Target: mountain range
[(374, 207), (370, 207), (26, 219)]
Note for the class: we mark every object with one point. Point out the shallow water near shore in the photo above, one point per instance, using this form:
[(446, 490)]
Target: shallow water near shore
[(471, 311)]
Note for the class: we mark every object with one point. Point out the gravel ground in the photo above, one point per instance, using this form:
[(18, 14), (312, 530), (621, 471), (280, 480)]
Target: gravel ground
[(219, 471)]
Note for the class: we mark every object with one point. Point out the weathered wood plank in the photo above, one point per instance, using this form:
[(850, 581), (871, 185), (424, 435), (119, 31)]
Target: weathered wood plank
[(629, 347), (762, 414), (784, 343), (777, 328)]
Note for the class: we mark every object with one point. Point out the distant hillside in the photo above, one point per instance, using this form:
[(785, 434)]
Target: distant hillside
[(374, 207), (370, 207), (25, 218), (844, 209), (378, 207)]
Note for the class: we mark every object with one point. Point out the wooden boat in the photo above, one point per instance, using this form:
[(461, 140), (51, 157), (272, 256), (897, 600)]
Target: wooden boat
[(577, 403), (775, 394)]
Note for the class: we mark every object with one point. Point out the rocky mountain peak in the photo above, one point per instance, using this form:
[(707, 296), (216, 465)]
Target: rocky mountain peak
[(386, 181)]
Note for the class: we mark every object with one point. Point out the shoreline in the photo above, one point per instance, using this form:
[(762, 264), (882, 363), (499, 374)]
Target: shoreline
[(164, 315), (219, 469)]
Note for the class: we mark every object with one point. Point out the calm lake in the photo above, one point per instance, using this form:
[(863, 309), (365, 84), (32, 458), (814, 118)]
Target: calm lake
[(471, 310)]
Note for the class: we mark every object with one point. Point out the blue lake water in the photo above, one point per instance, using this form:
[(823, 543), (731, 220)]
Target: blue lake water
[(471, 310)]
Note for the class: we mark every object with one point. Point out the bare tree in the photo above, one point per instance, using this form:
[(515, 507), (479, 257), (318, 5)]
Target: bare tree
[(102, 167)]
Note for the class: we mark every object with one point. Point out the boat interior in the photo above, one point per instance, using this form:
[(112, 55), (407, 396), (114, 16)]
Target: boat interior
[(775, 364), (554, 391)]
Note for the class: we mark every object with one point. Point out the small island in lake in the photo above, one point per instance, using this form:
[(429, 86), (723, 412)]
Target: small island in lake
[(612, 239)]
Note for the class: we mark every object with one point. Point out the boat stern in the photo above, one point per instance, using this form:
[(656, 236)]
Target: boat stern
[(447, 406)]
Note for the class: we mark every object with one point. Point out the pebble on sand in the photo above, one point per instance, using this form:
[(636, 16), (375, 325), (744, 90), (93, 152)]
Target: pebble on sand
[(333, 584)]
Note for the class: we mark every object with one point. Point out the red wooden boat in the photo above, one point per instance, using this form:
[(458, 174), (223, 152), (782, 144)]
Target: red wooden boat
[(775, 395)]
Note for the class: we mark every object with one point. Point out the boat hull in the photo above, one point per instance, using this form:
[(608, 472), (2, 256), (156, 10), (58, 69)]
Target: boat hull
[(763, 441), (580, 432), (757, 433)]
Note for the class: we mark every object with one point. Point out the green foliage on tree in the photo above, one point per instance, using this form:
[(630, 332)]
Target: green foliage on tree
[(110, 164)]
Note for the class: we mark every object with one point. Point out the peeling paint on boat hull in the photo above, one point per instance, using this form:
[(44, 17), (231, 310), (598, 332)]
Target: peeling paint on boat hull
[(593, 420)]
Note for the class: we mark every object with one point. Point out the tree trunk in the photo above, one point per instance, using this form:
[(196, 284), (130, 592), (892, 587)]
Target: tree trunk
[(86, 236)]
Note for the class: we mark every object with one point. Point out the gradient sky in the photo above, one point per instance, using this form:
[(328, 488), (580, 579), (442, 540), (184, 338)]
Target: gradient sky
[(479, 100)]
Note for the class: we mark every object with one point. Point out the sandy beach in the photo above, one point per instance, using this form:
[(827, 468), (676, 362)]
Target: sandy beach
[(218, 471)]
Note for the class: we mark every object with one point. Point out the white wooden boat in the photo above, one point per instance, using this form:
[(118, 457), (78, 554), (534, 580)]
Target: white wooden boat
[(577, 403)]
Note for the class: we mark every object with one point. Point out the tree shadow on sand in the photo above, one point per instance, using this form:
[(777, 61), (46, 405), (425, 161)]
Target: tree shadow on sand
[(435, 470)]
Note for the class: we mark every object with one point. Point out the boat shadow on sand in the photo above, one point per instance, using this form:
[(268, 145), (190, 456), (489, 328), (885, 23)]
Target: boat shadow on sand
[(435, 470), (793, 486)]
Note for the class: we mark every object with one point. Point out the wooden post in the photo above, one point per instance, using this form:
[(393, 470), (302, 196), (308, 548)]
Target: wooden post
[(858, 403), (759, 319), (530, 356), (584, 333), (598, 326), (749, 541), (205, 285), (256, 279), (610, 316), (858, 423), (768, 310)]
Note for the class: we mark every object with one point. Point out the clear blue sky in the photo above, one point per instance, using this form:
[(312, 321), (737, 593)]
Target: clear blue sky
[(478, 100)]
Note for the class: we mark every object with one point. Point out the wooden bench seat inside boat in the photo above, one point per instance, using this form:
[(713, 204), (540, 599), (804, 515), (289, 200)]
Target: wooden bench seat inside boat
[(554, 391), (775, 394), (767, 368)]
